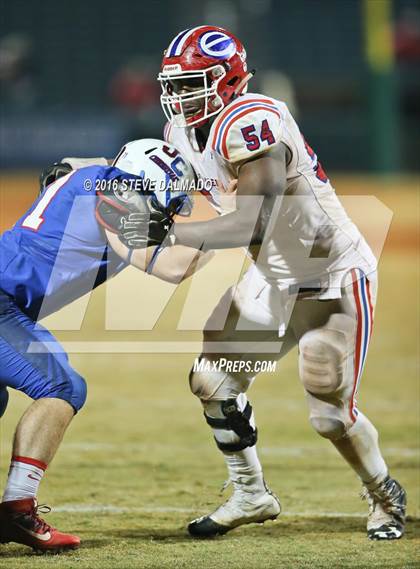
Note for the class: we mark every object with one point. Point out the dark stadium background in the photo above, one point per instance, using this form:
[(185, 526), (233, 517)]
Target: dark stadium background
[(65, 88)]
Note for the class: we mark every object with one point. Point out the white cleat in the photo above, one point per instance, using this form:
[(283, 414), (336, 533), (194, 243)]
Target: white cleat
[(243, 507), (387, 510)]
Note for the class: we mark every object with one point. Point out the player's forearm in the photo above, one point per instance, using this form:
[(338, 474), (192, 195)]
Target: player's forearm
[(77, 163), (237, 229), (261, 182), (177, 263)]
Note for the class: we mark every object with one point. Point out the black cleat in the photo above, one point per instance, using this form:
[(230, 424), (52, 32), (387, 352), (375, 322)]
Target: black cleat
[(205, 527), (387, 510), (242, 508)]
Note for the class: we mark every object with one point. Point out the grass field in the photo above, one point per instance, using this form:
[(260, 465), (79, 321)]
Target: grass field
[(138, 462)]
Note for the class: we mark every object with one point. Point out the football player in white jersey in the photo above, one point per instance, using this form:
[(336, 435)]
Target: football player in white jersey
[(313, 283)]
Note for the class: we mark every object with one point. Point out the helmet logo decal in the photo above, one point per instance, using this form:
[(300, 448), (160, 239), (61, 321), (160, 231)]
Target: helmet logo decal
[(217, 45), (167, 169)]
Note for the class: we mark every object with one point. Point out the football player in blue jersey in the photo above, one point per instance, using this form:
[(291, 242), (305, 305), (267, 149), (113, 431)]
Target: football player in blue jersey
[(66, 244)]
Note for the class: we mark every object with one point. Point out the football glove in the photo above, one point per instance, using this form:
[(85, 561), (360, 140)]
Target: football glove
[(66, 165), (136, 217), (138, 230), (53, 173)]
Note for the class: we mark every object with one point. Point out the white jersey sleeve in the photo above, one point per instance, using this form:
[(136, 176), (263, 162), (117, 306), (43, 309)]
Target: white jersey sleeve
[(247, 127)]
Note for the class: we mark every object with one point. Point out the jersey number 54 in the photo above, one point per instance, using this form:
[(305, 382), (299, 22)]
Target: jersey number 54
[(253, 140)]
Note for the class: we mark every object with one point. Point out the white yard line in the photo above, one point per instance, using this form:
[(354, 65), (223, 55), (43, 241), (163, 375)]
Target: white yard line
[(107, 508)]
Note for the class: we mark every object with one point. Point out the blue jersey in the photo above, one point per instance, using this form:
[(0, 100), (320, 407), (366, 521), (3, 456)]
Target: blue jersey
[(57, 251)]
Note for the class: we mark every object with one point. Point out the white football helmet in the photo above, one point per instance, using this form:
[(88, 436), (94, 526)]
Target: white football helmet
[(163, 170)]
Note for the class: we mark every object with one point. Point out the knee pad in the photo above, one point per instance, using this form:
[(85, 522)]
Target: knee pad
[(4, 399), (232, 418), (324, 354)]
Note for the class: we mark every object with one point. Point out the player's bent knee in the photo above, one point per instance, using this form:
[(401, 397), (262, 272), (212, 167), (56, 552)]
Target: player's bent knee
[(329, 416), (328, 427), (209, 381), (202, 383), (71, 388), (323, 356), (79, 394)]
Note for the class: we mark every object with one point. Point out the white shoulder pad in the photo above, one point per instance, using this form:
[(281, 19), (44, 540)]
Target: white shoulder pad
[(247, 128)]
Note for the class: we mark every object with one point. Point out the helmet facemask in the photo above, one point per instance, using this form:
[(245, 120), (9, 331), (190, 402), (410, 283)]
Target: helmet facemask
[(197, 98)]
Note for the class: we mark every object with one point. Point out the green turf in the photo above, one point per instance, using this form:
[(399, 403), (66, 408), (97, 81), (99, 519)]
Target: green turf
[(138, 462)]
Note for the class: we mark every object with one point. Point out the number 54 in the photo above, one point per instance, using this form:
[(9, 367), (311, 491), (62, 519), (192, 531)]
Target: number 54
[(253, 141)]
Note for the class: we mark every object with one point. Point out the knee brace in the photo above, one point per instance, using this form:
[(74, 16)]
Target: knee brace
[(236, 421), (4, 398)]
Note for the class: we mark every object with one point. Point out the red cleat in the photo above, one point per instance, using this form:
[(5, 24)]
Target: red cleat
[(20, 523)]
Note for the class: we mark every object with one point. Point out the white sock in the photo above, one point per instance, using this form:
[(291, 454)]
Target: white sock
[(25, 474), (361, 450), (245, 469)]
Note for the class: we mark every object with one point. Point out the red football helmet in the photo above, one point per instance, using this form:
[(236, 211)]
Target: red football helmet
[(203, 69)]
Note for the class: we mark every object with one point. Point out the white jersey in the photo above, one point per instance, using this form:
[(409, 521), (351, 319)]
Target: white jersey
[(310, 239)]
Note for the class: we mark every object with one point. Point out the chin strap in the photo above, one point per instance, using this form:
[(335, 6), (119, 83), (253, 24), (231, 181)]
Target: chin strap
[(244, 81)]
